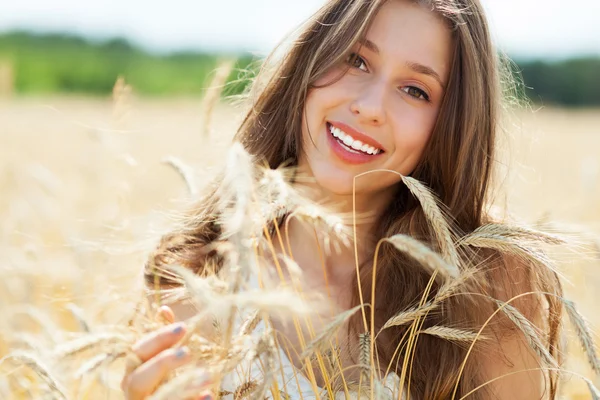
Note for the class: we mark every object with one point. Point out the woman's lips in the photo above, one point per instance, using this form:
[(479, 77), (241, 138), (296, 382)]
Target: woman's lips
[(348, 154)]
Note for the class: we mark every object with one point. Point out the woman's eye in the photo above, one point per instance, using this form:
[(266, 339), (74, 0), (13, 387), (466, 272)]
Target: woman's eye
[(416, 92), (356, 61)]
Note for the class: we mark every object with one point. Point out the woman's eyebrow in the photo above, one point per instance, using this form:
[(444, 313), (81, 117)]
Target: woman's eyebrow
[(415, 66), (425, 70)]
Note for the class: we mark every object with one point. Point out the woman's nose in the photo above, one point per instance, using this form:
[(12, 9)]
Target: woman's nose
[(369, 104)]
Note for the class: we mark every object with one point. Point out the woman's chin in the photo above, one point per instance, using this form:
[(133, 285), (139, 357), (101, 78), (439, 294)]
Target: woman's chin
[(336, 184)]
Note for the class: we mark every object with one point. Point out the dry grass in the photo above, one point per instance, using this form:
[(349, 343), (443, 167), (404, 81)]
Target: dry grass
[(86, 194)]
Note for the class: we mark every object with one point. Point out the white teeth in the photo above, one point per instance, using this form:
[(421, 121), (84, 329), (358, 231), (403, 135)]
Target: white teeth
[(351, 142), (357, 145)]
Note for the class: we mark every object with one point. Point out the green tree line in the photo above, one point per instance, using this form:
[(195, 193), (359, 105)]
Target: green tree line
[(52, 63)]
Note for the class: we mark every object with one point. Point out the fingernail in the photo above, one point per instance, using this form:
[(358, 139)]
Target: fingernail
[(178, 328), (181, 352)]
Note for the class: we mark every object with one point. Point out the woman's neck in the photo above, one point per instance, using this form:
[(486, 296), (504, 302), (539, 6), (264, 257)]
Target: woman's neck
[(336, 267)]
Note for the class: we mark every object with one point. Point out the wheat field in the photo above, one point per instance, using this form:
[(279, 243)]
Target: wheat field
[(88, 185)]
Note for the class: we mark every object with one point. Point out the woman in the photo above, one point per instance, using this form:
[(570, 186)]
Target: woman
[(406, 86)]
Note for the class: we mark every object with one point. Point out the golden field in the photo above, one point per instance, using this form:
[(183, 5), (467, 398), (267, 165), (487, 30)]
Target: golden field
[(85, 192)]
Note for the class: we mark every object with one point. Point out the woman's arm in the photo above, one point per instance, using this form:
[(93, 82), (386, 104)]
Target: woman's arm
[(514, 369)]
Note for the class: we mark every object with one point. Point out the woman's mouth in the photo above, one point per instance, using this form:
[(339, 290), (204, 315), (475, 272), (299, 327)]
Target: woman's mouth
[(349, 149)]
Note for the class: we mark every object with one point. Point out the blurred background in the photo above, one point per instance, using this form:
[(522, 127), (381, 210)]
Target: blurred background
[(108, 125), (169, 48)]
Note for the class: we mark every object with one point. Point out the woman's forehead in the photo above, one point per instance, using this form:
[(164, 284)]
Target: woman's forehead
[(405, 32)]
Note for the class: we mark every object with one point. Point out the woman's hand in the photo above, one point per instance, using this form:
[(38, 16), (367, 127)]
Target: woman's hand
[(158, 358)]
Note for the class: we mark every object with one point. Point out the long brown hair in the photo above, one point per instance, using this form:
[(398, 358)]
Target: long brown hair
[(457, 166)]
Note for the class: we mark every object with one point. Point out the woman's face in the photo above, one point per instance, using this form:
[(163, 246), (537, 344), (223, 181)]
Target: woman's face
[(381, 113)]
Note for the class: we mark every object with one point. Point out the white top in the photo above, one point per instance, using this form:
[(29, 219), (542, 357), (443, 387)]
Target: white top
[(289, 379)]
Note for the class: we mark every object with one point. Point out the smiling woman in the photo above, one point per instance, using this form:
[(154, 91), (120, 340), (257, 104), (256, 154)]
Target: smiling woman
[(389, 94), (385, 109)]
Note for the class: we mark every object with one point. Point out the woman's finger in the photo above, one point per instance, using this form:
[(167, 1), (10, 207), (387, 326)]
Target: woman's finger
[(159, 340), (207, 395), (145, 379), (165, 314)]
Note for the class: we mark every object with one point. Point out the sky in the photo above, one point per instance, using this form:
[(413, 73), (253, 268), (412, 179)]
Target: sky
[(523, 28)]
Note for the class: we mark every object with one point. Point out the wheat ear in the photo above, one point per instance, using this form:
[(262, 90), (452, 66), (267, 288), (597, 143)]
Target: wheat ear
[(185, 171), (79, 316), (519, 233), (583, 333), (322, 340), (182, 386), (452, 334), (529, 331), (420, 252), (88, 342), (213, 93), (245, 390), (594, 392), (38, 366), (406, 316), (364, 357), (439, 223)]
